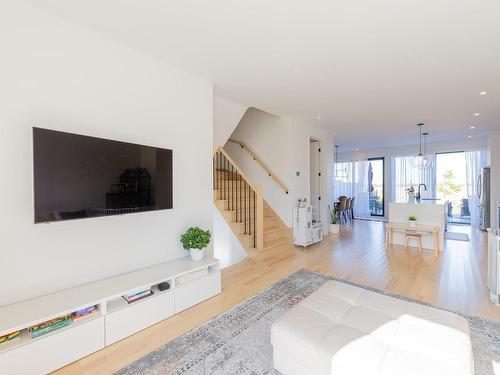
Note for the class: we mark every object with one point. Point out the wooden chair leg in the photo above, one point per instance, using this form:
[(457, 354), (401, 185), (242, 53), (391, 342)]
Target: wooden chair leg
[(406, 244), (419, 244)]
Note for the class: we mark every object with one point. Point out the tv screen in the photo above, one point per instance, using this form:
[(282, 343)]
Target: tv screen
[(77, 177)]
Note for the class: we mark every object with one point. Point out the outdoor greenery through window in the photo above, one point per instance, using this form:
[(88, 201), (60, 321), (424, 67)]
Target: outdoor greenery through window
[(376, 186), (451, 185)]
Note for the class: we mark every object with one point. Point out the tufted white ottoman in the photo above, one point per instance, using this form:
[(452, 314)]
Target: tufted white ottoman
[(342, 329)]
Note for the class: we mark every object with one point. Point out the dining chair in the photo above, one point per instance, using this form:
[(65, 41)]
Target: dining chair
[(341, 208), (351, 207), (347, 207)]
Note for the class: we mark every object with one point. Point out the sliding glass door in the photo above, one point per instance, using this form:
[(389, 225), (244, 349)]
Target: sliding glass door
[(364, 181), (376, 189), (451, 185)]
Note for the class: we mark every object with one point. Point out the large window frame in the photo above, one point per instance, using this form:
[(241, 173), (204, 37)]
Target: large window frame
[(383, 186)]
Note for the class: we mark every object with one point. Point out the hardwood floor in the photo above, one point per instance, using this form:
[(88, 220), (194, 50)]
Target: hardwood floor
[(456, 280)]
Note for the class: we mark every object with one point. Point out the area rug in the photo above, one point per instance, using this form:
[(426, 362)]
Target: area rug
[(457, 236), (238, 340)]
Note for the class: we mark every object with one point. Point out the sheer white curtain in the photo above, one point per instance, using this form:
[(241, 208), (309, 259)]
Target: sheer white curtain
[(474, 161), (404, 175), (343, 179), (351, 180)]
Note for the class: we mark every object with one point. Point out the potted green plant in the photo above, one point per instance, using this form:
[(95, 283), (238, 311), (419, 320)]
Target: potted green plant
[(194, 241), (334, 227), (412, 221)]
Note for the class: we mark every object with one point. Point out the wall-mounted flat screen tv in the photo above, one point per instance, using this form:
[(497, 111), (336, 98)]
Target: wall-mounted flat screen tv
[(77, 176)]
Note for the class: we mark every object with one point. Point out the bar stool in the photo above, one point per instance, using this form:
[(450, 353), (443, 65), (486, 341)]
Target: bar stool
[(413, 236)]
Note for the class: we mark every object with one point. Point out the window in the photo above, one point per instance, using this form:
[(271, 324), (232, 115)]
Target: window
[(352, 180), (405, 175), (451, 185), (376, 186)]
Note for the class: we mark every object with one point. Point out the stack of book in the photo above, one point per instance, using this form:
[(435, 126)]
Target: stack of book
[(9, 337), (83, 313), (49, 326), (138, 295)]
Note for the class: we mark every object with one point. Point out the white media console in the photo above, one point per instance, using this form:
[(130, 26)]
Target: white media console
[(190, 283)]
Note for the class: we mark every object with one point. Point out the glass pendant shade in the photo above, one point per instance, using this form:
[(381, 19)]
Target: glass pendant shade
[(422, 160)]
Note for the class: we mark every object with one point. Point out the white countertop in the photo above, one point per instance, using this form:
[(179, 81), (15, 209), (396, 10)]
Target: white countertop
[(426, 201)]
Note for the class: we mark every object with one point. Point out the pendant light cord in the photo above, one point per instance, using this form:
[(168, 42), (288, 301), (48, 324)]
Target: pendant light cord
[(420, 146)]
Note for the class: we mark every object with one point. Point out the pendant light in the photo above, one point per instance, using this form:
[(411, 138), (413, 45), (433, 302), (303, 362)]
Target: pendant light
[(421, 161)]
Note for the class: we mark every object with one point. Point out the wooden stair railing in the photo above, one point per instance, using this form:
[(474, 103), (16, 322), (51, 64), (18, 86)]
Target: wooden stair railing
[(246, 200), (261, 163)]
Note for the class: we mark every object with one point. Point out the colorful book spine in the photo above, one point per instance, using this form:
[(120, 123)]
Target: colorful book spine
[(138, 296), (85, 311), (9, 337), (50, 326), (76, 317)]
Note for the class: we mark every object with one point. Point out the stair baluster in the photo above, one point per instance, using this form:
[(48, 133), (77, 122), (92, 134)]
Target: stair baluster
[(239, 196)]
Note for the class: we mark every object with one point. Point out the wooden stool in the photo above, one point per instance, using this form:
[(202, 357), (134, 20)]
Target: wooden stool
[(413, 236)]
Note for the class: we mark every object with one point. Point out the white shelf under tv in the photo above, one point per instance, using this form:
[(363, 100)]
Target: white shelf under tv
[(115, 320)]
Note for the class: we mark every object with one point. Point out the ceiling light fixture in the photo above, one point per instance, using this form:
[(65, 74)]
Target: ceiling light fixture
[(472, 127), (470, 136), (422, 161), (483, 93), (318, 117), (476, 114)]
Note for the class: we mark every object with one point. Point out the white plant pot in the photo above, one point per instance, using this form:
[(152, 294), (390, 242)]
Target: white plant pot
[(334, 228), (197, 254), (412, 223)]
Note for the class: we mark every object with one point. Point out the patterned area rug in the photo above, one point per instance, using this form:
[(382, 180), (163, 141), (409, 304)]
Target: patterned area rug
[(238, 341)]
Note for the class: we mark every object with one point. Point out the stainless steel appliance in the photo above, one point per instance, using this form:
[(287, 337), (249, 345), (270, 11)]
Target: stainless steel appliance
[(483, 191)]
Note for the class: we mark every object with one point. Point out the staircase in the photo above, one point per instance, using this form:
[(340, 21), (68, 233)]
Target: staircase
[(242, 205)]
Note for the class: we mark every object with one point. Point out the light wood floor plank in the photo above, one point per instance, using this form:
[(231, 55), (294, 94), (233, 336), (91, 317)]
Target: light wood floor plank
[(456, 280)]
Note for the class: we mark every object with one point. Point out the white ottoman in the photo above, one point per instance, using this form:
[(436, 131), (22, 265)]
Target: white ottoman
[(342, 329)]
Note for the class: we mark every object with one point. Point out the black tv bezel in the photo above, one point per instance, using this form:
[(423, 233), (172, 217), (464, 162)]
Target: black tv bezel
[(34, 128)]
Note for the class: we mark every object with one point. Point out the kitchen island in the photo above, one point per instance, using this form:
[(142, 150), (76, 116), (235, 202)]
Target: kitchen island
[(429, 214)]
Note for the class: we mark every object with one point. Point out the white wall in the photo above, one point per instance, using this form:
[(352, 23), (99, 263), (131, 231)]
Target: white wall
[(283, 144), (494, 154), (227, 247), (58, 76), (227, 115), (389, 152)]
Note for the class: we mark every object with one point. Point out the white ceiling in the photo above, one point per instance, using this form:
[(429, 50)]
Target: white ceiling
[(370, 69)]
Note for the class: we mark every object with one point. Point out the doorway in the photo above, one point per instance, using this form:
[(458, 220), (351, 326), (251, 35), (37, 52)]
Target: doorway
[(451, 185), (315, 177)]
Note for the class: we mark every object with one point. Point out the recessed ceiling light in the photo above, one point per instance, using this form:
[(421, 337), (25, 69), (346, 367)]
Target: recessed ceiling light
[(470, 136), (318, 117), (476, 114), (357, 149), (472, 127), (483, 93)]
